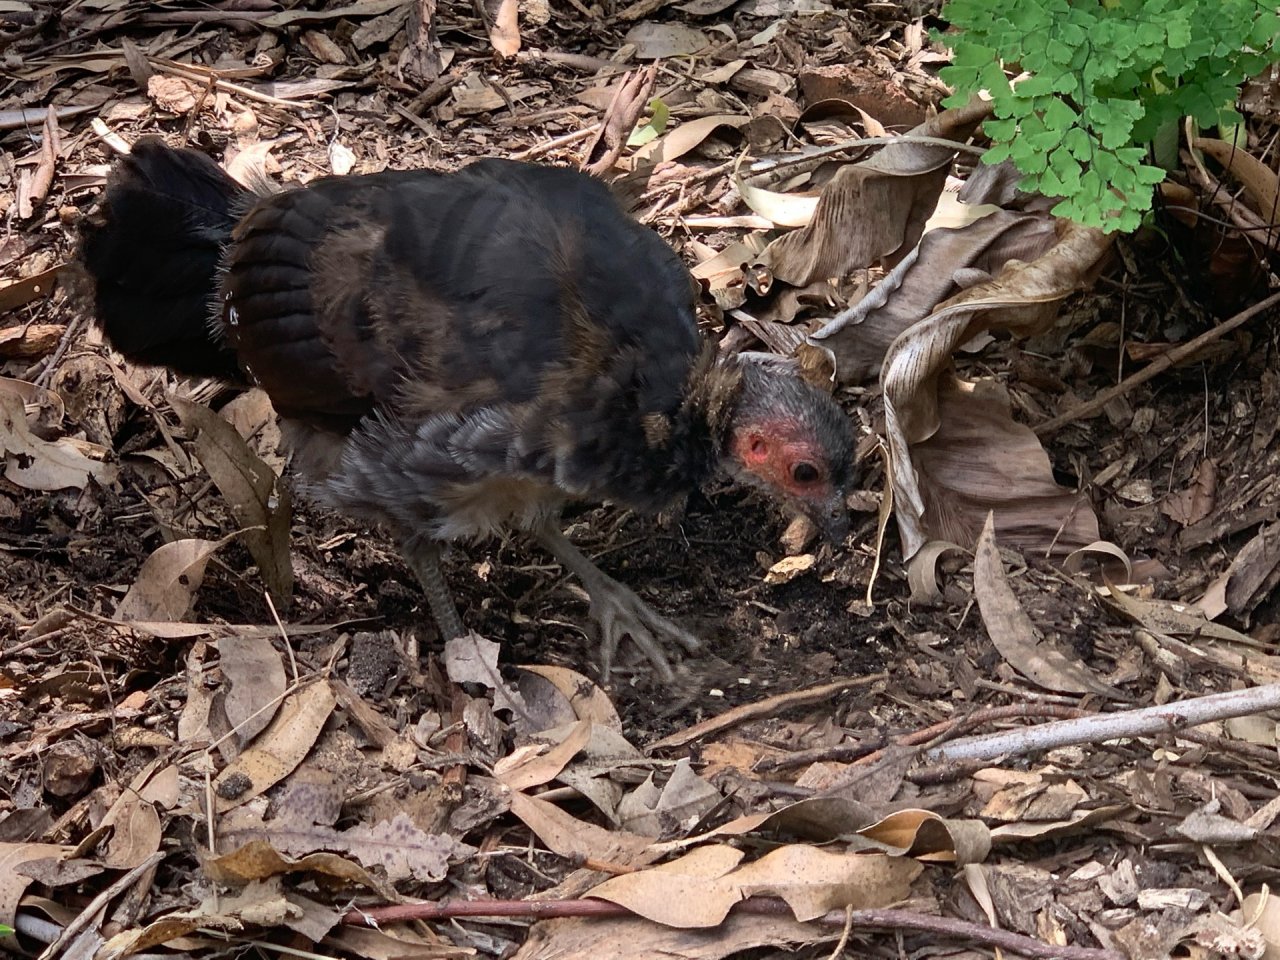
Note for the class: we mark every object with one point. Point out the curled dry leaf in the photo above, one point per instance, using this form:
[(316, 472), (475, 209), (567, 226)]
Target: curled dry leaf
[(168, 580), (252, 490), (1259, 180), (1014, 635), (36, 464), (504, 34), (258, 860), (700, 888), (589, 702), (875, 209), (928, 414)]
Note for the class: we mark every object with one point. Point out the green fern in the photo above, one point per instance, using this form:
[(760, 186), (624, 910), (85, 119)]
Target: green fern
[(1097, 79)]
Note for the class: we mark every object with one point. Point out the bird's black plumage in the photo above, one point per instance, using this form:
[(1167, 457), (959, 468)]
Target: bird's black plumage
[(451, 353)]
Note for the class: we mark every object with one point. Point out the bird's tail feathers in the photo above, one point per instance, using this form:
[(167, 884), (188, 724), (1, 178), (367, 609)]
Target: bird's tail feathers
[(152, 254)]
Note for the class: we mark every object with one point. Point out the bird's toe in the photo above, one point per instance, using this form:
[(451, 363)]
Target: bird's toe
[(621, 613)]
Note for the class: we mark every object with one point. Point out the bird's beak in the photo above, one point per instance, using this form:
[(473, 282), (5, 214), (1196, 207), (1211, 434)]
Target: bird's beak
[(831, 516)]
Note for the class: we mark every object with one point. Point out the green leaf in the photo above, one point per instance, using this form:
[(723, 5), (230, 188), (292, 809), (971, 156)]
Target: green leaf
[(659, 113)]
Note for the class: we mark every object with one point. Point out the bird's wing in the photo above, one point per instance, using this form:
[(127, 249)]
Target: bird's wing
[(506, 294)]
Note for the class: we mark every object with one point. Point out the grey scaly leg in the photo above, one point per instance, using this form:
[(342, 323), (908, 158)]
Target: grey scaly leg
[(423, 557), (615, 607)]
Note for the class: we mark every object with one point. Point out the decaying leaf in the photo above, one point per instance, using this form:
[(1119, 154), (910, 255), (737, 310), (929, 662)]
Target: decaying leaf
[(36, 464), (259, 502), (255, 676), (167, 583)]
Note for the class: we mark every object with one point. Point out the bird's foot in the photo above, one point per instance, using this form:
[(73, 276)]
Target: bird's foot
[(621, 613)]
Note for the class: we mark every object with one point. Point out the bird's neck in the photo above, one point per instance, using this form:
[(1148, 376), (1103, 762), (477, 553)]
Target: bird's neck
[(711, 397)]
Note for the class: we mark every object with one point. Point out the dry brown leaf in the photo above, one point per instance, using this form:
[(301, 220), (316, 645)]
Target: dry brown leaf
[(700, 888), (981, 460), (36, 464), (473, 659), (860, 336), (1261, 911), (633, 938), (1014, 635), (166, 584), (253, 492), (13, 883), (679, 805), (541, 767), (280, 748), (576, 839), (257, 860), (659, 41), (504, 35), (255, 677), (679, 141)]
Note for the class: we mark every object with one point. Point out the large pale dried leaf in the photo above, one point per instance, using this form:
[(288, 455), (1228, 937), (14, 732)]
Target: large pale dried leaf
[(1012, 632), (136, 833), (540, 767), (700, 888), (253, 492), (570, 837), (167, 582), (681, 803), (36, 464), (280, 748), (254, 672), (917, 369), (981, 460), (679, 141), (505, 32), (633, 938), (874, 209), (1262, 912), (658, 41)]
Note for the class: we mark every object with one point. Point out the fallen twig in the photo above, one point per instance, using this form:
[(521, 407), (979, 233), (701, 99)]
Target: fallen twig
[(1156, 367), (1111, 726), (764, 708)]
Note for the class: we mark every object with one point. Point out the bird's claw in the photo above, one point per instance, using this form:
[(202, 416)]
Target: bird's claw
[(621, 613)]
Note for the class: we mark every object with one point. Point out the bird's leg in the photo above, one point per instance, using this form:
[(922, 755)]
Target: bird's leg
[(615, 607), (423, 557)]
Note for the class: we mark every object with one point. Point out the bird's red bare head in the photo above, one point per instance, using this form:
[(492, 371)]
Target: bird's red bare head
[(794, 442)]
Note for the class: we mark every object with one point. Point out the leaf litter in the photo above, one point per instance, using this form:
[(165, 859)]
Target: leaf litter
[(221, 713)]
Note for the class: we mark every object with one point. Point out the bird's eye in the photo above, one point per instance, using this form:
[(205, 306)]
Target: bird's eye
[(804, 473)]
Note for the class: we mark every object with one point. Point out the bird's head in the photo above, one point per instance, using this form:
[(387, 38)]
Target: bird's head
[(793, 441)]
